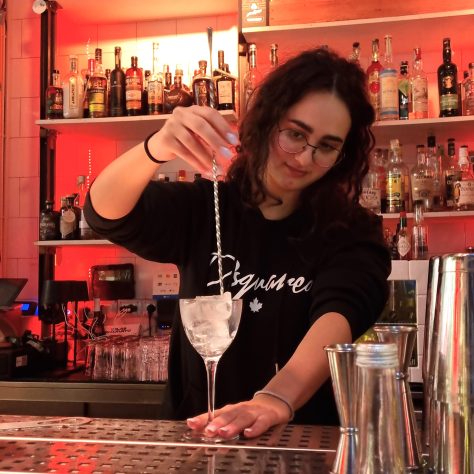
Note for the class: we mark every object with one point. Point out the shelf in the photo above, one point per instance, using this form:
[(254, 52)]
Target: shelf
[(424, 30), (72, 243), (416, 131), (123, 128), (431, 215)]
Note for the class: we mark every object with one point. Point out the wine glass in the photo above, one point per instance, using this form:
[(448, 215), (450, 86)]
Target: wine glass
[(210, 323)]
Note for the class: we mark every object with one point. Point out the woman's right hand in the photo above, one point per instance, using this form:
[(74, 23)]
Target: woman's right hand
[(195, 134)]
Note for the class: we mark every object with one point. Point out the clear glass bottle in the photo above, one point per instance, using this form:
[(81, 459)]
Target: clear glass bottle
[(419, 87), (133, 88), (463, 186), (419, 235), (203, 87), (388, 85), (448, 83), (73, 91), (468, 87), (434, 161), (252, 77), (404, 92), (379, 422), (155, 85), (54, 98), (49, 222), (373, 78), (422, 180), (397, 173), (97, 90), (68, 223), (273, 56), (117, 86), (372, 186), (88, 75), (354, 57)]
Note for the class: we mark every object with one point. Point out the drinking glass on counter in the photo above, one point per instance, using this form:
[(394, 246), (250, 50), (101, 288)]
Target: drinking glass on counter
[(210, 323)]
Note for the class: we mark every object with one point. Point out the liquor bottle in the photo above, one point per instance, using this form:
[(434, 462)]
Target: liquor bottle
[(146, 78), (373, 78), (108, 72), (403, 239), (463, 186), (468, 87), (68, 223), (97, 91), (419, 235), (225, 89), (388, 85), (49, 223), (117, 86), (203, 87), (54, 98), (178, 94), (397, 173), (422, 180), (434, 160), (133, 88), (419, 87), (451, 173), (447, 83), (155, 86), (90, 71), (273, 56), (372, 186), (181, 175), (73, 91), (404, 92), (354, 57), (252, 77)]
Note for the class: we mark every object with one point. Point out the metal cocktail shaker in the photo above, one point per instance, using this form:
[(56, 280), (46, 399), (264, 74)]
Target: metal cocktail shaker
[(431, 330), (344, 382), (452, 366)]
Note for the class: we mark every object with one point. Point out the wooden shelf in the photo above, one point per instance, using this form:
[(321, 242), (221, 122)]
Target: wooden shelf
[(424, 30), (117, 128), (72, 243), (432, 215), (416, 131)]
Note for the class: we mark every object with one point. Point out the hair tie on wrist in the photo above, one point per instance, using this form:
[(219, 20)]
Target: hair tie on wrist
[(278, 397), (147, 151)]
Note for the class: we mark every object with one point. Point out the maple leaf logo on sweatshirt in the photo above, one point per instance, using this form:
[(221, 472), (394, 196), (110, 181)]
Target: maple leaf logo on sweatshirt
[(255, 305)]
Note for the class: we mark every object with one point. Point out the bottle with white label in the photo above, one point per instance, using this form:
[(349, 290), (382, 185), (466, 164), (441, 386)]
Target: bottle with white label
[(463, 187), (388, 85), (397, 179), (73, 91), (403, 239), (422, 180)]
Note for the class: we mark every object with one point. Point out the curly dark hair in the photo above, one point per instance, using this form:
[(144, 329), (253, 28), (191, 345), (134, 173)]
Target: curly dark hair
[(310, 71)]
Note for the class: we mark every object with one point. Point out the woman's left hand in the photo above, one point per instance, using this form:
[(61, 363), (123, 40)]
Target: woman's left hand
[(253, 418)]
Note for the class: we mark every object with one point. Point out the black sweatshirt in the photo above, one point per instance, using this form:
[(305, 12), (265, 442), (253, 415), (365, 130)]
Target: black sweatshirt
[(288, 273)]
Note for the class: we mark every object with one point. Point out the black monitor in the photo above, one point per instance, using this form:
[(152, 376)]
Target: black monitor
[(9, 289)]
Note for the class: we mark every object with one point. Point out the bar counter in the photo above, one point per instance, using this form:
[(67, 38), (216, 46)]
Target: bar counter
[(99, 446)]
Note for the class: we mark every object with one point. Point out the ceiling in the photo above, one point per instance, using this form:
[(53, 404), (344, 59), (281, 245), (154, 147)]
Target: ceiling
[(118, 11)]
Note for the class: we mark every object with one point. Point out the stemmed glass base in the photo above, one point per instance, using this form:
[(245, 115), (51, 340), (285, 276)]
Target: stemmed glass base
[(200, 436)]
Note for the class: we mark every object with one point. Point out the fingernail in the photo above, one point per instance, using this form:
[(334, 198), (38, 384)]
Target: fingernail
[(248, 430), (211, 428), (192, 420), (224, 430), (225, 152), (232, 138)]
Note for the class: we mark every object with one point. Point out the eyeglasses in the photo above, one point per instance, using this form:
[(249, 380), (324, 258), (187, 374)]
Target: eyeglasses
[(293, 141)]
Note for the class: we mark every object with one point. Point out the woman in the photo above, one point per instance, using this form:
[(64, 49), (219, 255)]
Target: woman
[(308, 261)]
